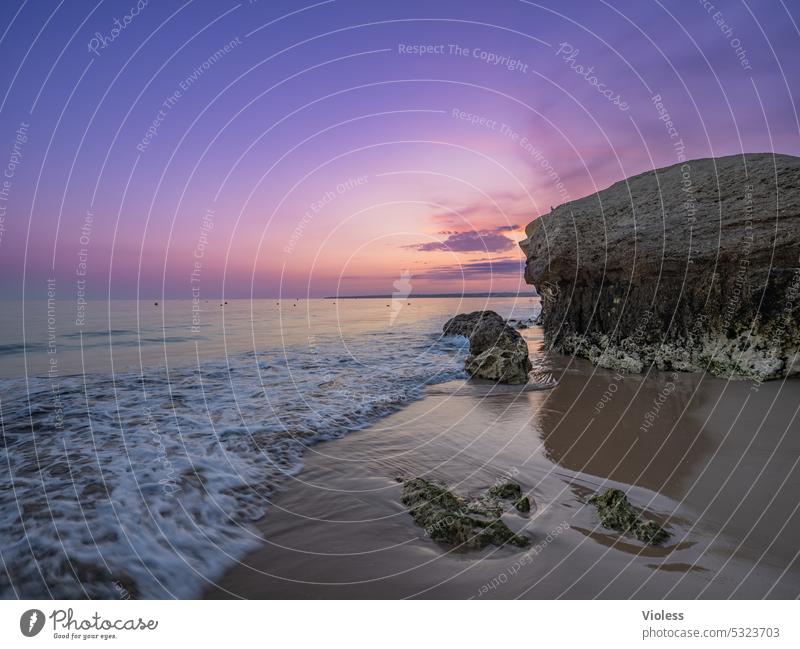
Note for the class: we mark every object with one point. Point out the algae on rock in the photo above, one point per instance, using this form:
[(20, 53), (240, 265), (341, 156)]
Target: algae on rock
[(511, 491), (616, 513), (497, 351), (450, 518), (612, 269)]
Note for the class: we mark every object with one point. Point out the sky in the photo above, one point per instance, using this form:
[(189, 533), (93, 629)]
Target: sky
[(260, 149)]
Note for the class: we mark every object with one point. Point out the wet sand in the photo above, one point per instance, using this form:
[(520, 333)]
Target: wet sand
[(718, 466)]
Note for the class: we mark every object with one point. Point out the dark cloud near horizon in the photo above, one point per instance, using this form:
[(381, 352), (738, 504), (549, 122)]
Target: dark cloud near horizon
[(475, 270), (472, 241)]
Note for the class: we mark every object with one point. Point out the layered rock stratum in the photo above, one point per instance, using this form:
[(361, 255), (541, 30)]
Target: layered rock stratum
[(691, 267)]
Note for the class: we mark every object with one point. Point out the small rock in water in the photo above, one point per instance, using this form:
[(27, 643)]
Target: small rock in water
[(513, 492), (506, 490), (616, 513), (523, 505), (496, 350)]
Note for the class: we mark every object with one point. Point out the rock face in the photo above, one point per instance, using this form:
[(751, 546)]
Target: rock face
[(496, 351), (691, 267)]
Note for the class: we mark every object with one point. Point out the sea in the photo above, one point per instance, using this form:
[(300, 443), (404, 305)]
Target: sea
[(141, 440)]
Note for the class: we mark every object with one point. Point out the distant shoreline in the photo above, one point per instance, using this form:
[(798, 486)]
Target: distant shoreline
[(431, 295), (383, 296)]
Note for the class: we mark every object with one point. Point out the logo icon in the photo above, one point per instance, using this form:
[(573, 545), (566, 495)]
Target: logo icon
[(31, 622), (402, 289)]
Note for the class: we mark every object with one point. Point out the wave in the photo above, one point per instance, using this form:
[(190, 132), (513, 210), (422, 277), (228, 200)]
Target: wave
[(11, 349), (101, 333), (150, 482)]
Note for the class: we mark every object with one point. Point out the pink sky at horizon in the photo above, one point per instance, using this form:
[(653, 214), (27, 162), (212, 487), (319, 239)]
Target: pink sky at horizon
[(332, 159)]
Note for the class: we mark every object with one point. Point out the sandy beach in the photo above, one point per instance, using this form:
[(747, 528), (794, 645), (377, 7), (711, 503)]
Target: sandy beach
[(714, 461)]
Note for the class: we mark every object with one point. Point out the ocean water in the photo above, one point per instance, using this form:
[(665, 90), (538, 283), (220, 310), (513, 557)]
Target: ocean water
[(139, 445)]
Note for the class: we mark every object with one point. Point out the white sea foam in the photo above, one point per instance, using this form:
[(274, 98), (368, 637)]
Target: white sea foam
[(149, 483)]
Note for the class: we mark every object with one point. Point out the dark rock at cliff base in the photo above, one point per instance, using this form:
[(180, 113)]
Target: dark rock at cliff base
[(496, 351), (692, 267)]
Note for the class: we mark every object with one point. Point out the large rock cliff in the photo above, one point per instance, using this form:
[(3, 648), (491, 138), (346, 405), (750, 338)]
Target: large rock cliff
[(691, 267)]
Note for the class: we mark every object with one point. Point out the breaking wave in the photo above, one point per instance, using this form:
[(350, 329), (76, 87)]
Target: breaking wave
[(147, 483)]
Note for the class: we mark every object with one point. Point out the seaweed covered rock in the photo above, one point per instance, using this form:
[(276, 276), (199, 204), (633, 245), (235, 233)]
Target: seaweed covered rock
[(616, 513), (691, 267), (453, 519), (496, 350), (513, 492)]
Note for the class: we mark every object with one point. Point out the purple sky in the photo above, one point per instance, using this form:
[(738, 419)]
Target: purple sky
[(273, 148)]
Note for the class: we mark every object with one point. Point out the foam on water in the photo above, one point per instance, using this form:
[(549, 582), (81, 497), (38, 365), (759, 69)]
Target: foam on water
[(148, 483)]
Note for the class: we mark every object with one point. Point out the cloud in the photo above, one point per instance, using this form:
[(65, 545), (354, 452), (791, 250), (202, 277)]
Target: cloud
[(472, 241), (491, 259), (475, 270)]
